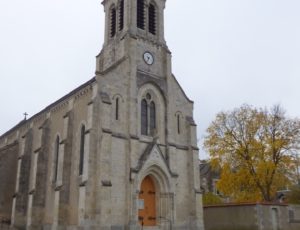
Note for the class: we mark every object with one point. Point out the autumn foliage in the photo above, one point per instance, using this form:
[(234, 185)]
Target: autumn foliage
[(254, 148)]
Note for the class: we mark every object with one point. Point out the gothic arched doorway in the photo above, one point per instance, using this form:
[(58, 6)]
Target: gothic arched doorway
[(147, 199)]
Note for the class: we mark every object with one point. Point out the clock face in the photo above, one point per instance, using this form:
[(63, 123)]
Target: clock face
[(148, 58)]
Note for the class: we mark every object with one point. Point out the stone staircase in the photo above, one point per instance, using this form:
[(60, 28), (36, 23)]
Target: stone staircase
[(151, 228)]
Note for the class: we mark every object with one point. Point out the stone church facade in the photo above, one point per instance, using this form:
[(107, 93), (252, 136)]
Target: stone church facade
[(118, 152)]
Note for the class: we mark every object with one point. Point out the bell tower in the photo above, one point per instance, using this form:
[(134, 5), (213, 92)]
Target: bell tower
[(134, 29), (141, 18), (147, 135)]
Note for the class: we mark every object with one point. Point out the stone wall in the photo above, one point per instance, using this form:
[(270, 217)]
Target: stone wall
[(8, 169), (251, 217)]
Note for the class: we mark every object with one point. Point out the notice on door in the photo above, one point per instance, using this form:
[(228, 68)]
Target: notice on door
[(141, 204)]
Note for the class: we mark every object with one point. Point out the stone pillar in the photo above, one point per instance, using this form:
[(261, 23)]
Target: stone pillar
[(64, 197), (134, 190), (88, 179), (196, 218), (22, 184), (40, 185), (171, 156), (59, 186), (134, 222), (104, 159), (32, 180)]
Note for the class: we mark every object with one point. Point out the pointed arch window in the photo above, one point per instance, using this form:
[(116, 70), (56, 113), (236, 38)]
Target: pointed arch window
[(178, 123), (117, 109), (81, 153), (144, 117), (113, 21), (140, 14), (56, 158), (152, 19), (121, 15), (148, 116)]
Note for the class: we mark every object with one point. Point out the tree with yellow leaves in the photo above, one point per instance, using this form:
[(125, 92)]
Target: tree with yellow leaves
[(254, 149)]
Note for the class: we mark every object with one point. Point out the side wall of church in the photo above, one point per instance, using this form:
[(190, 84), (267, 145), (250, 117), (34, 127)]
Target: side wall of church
[(33, 196), (8, 168)]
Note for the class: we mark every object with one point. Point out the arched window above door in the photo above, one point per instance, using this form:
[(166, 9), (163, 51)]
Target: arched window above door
[(148, 115), (144, 117), (152, 116)]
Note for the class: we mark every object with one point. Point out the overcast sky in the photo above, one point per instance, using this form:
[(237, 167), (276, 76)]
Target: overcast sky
[(225, 53)]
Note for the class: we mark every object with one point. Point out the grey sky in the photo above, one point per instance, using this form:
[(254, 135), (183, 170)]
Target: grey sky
[(225, 53)]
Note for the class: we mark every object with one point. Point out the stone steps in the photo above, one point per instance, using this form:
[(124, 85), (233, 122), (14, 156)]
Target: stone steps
[(151, 228)]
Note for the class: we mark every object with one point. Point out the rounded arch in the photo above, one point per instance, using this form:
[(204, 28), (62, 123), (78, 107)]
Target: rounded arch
[(117, 95), (153, 84)]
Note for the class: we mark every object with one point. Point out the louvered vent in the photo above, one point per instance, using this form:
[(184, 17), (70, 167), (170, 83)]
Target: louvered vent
[(121, 15), (140, 14), (152, 24), (113, 22)]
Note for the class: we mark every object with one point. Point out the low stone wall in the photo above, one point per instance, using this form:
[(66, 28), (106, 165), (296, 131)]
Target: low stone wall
[(254, 216), (294, 217), (4, 227), (4, 223)]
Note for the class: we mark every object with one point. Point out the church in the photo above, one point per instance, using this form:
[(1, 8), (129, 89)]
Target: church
[(117, 153)]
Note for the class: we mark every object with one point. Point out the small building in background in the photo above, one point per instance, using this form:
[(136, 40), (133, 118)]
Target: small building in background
[(208, 177)]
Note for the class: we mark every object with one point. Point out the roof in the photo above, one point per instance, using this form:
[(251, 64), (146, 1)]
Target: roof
[(70, 94)]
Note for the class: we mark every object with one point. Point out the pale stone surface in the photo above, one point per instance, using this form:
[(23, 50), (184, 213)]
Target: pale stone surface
[(116, 156)]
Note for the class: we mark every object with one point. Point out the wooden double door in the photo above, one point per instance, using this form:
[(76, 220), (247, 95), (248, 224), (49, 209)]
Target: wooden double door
[(147, 202)]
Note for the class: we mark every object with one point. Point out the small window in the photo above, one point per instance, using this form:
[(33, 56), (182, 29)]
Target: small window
[(56, 158), (144, 117), (152, 18), (121, 15), (113, 18), (140, 14), (81, 154), (117, 109), (178, 123)]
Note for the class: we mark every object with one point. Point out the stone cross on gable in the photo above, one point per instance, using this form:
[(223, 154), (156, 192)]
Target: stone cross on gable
[(25, 115)]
